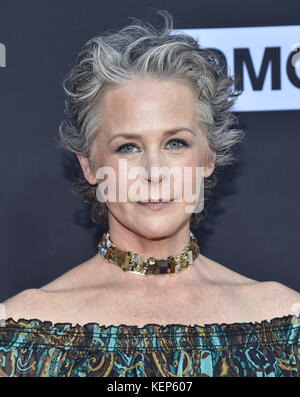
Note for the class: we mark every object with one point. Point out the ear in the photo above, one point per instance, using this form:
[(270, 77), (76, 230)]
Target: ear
[(208, 170), (86, 168)]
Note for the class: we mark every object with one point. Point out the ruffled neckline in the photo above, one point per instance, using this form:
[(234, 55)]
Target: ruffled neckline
[(151, 337), (275, 322)]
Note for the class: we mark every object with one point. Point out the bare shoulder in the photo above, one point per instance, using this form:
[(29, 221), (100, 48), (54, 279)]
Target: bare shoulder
[(43, 302), (272, 299), (79, 276), (261, 299), (220, 274), (278, 293), (23, 304)]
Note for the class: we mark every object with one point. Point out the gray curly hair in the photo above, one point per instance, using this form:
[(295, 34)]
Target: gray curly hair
[(140, 49)]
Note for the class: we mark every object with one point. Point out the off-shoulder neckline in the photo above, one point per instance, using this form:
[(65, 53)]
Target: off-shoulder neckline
[(276, 322)]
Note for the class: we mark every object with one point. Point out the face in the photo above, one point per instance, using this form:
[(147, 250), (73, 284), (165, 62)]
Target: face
[(149, 111)]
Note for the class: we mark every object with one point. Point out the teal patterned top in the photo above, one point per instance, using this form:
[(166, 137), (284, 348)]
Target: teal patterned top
[(38, 348)]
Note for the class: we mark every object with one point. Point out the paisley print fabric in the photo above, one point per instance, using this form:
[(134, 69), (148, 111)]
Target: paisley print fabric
[(36, 348)]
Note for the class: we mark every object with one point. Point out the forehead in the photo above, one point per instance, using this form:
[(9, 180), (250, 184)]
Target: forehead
[(148, 104)]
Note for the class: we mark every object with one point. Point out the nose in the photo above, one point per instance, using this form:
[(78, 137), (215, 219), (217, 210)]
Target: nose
[(153, 161)]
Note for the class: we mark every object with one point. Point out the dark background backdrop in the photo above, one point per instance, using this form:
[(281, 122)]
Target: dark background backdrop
[(253, 222)]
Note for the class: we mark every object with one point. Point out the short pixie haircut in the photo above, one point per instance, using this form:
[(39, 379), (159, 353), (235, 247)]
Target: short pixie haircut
[(143, 50)]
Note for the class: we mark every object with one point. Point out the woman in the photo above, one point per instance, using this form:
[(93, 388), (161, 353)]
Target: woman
[(151, 99)]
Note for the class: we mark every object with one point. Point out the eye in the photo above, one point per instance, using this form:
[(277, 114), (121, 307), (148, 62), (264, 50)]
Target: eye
[(126, 145), (181, 141)]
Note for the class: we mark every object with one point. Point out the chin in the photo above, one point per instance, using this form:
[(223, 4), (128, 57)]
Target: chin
[(155, 233), (151, 224), (156, 228)]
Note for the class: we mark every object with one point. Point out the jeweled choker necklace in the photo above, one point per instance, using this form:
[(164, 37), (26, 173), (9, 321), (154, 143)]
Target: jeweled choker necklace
[(138, 264)]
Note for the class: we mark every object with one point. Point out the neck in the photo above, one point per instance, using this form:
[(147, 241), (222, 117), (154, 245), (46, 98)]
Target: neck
[(158, 245)]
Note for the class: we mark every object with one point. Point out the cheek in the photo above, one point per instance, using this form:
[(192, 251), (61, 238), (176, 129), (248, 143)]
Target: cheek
[(191, 178), (192, 162), (127, 189), (190, 165)]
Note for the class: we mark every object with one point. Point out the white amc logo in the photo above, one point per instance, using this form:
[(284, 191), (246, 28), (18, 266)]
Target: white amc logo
[(243, 63), (264, 60), (2, 56)]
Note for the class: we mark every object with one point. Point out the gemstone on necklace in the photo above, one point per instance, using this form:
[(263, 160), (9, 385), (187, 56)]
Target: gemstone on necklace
[(127, 259), (135, 259), (190, 254), (103, 251), (172, 264)]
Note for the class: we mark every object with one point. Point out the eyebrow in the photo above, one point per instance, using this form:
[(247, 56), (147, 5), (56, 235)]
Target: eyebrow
[(171, 132)]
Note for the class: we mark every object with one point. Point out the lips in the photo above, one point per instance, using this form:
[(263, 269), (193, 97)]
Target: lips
[(155, 205), (155, 201)]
